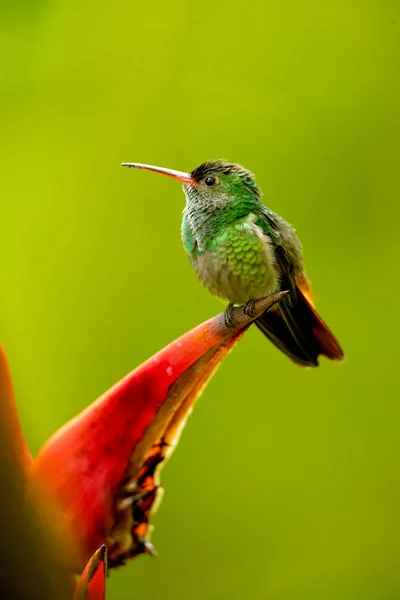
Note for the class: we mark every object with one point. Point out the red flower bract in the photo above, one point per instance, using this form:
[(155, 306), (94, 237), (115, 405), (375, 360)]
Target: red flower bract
[(95, 482)]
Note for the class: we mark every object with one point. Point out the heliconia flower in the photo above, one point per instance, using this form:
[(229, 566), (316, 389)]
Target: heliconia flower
[(94, 485)]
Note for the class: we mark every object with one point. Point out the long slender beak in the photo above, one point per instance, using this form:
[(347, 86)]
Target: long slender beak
[(185, 177)]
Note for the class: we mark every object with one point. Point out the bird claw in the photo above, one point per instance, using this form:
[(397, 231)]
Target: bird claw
[(249, 308), (228, 316)]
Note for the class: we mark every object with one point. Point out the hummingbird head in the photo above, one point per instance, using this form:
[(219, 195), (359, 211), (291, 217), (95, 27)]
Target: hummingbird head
[(214, 185), (218, 184)]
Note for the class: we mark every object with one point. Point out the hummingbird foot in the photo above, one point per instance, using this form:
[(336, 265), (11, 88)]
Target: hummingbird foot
[(228, 316), (249, 308)]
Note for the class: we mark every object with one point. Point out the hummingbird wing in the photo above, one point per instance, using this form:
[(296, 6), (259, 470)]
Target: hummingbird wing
[(294, 326)]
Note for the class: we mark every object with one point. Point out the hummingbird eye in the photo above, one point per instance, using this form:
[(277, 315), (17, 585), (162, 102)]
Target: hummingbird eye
[(210, 181)]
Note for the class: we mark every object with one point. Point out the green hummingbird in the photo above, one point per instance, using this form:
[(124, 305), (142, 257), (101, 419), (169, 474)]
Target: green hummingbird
[(242, 251)]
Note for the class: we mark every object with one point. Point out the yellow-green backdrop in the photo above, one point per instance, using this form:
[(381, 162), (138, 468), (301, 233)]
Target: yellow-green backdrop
[(286, 482)]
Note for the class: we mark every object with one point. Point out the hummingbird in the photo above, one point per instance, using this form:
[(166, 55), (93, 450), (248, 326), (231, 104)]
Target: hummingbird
[(242, 251)]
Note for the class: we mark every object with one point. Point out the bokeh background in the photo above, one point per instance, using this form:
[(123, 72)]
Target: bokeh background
[(286, 482)]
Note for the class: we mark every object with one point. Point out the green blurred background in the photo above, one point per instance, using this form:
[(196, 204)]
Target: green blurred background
[(286, 482)]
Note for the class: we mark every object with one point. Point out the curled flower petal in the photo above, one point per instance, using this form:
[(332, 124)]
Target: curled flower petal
[(100, 468), (92, 583)]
